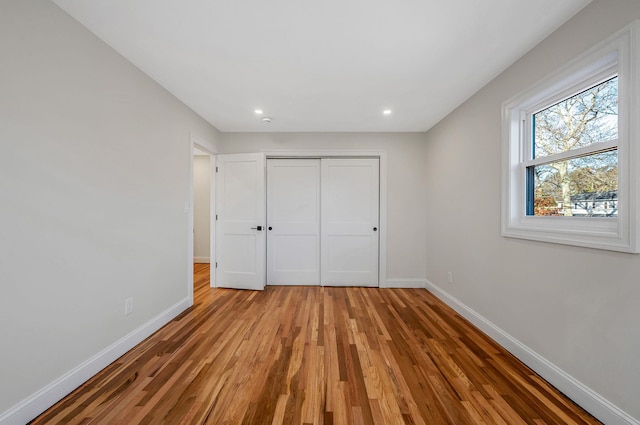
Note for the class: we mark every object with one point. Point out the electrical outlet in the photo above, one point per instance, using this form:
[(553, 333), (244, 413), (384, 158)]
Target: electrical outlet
[(128, 306), (450, 277)]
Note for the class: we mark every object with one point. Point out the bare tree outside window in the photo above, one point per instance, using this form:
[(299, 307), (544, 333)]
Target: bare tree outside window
[(585, 184)]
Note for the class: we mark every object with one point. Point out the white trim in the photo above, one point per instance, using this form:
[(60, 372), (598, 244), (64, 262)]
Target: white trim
[(619, 54), (574, 153), (190, 223), (584, 396), (46, 397), (212, 219), (202, 260), (382, 155), (408, 282)]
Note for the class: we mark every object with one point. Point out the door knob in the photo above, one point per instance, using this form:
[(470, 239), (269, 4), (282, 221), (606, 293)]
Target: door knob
[(259, 228), (270, 228), (375, 229)]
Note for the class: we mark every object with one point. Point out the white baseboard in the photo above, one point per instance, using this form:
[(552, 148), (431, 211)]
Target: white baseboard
[(202, 260), (46, 397), (584, 396), (405, 283)]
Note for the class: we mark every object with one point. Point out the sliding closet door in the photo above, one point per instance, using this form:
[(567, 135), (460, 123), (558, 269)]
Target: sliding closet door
[(350, 214), (293, 222)]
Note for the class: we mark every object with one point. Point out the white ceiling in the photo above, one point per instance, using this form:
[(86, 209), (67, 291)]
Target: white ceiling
[(329, 65)]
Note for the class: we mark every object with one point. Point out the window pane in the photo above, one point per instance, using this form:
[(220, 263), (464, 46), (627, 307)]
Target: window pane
[(581, 120), (581, 187)]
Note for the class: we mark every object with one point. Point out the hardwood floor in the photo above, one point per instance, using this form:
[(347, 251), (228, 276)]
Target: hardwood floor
[(310, 355)]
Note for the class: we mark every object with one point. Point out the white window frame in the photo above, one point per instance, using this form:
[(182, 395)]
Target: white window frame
[(618, 55)]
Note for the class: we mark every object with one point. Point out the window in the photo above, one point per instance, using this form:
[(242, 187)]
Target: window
[(573, 156), (570, 151)]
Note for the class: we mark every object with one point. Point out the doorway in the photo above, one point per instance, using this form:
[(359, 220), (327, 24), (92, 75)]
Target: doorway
[(201, 167), (201, 207)]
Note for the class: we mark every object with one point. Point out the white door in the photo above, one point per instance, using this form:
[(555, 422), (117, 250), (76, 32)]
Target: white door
[(350, 214), (293, 222), (240, 233)]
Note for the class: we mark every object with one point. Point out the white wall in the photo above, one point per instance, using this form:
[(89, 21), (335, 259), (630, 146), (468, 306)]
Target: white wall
[(201, 208), (406, 197), (579, 308), (94, 176)]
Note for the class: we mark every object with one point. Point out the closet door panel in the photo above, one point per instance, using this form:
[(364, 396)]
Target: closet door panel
[(350, 215), (293, 217)]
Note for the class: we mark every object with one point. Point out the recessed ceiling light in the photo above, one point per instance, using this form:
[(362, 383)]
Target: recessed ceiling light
[(258, 111), (266, 119), (387, 112)]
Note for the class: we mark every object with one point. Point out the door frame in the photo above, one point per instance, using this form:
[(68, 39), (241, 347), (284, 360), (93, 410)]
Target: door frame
[(382, 157), (208, 147)]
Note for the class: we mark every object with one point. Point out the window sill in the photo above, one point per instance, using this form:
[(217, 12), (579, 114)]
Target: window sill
[(596, 233)]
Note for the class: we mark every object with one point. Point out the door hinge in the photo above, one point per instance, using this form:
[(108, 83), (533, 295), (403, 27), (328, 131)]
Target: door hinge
[(216, 264), (216, 216), (216, 168)]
